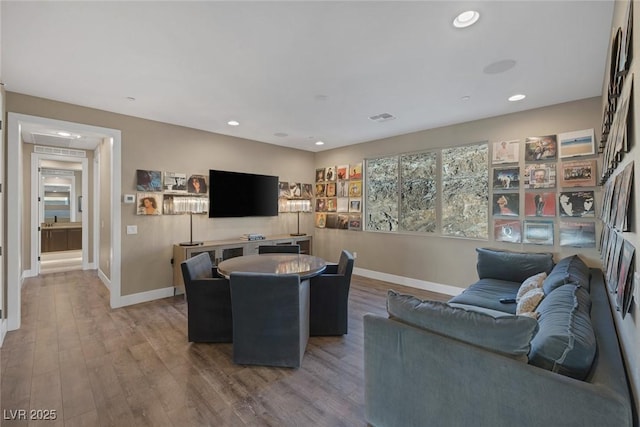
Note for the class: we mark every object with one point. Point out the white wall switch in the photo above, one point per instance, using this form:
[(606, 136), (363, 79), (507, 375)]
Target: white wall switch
[(132, 229), (129, 198)]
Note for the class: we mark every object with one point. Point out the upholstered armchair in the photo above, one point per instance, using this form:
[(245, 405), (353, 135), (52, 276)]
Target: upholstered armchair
[(270, 319), (279, 249), (208, 301), (329, 298)]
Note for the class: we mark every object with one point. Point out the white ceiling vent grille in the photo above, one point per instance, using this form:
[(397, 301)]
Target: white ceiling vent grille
[(383, 117), (59, 151)]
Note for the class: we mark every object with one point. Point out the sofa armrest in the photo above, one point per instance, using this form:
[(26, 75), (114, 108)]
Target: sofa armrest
[(412, 376)]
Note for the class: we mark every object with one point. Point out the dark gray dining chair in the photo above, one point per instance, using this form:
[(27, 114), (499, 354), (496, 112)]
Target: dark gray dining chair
[(208, 301), (329, 298), (279, 249), (270, 318)]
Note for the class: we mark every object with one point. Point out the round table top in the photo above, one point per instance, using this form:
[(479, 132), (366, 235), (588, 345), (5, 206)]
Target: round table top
[(305, 265)]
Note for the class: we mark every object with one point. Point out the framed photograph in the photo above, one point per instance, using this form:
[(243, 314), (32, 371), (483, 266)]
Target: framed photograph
[(330, 189), (625, 278), (343, 222), (355, 171), (307, 191), (321, 220), (330, 173), (538, 148), (355, 205), (332, 204), (295, 190), (578, 173), (355, 189), (332, 221), (147, 180), (506, 178), (577, 204), (342, 188), (540, 204), (197, 184), (321, 205), (343, 204), (506, 204), (578, 234), (505, 152), (355, 222), (174, 182), (149, 204), (342, 172), (283, 190), (320, 175), (542, 175), (538, 233), (320, 190), (577, 143), (507, 230)]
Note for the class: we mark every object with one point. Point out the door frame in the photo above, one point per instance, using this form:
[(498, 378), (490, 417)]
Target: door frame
[(14, 186), (37, 202)]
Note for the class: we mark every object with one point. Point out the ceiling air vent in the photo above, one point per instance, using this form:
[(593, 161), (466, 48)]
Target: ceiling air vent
[(59, 151), (383, 117)]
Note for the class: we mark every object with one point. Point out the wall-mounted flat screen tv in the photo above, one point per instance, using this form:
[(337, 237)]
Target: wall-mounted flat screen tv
[(236, 194)]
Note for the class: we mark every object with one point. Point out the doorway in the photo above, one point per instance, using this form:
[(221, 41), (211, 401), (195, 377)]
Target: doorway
[(59, 229), (60, 222)]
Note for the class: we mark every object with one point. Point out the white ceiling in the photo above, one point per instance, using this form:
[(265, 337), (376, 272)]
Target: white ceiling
[(307, 70)]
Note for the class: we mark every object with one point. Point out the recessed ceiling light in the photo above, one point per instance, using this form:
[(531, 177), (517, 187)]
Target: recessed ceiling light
[(130, 98), (233, 123), (63, 133), (465, 98), (517, 97), (319, 143), (466, 19)]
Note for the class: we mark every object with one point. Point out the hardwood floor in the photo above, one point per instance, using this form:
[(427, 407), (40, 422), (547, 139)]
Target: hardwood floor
[(133, 366)]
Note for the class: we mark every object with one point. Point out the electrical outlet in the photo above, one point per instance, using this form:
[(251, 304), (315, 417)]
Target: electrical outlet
[(132, 229)]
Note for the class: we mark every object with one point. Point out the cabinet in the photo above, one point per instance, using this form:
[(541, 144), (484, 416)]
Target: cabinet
[(60, 239), (224, 249)]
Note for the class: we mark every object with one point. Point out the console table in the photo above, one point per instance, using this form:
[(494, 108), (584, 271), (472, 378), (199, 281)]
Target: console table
[(219, 250)]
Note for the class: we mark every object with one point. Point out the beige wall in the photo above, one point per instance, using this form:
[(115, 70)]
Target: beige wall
[(433, 258), (146, 256)]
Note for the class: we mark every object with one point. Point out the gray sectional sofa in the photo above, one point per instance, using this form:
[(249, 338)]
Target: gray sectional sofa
[(472, 361)]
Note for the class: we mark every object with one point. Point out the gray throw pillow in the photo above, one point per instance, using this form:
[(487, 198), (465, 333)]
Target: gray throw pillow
[(503, 333), (512, 266), (565, 343), (569, 270)]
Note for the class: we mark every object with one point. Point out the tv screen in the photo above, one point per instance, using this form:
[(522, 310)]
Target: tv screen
[(236, 194)]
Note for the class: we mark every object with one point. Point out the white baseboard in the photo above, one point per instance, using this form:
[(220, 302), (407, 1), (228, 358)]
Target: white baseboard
[(408, 281), (3, 330), (146, 296), (28, 273), (105, 280)]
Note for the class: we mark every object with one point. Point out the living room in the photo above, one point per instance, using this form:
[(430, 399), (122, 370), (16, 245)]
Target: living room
[(429, 262)]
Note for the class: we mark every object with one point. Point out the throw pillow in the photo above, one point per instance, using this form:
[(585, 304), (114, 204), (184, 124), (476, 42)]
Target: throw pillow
[(532, 282), (503, 333), (569, 270), (530, 301), (511, 266), (532, 314), (566, 342)]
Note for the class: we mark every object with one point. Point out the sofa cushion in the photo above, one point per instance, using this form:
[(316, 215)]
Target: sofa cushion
[(503, 333), (532, 282), (565, 342), (511, 266), (487, 293), (569, 270), (529, 301)]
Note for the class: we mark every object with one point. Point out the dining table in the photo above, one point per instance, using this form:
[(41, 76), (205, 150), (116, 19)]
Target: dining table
[(306, 266)]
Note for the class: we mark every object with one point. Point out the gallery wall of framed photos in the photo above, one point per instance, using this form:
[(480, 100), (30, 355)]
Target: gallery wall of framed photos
[(555, 186), (171, 193), (617, 251), (338, 202)]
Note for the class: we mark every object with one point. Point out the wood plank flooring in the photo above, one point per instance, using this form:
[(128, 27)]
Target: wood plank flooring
[(133, 366)]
